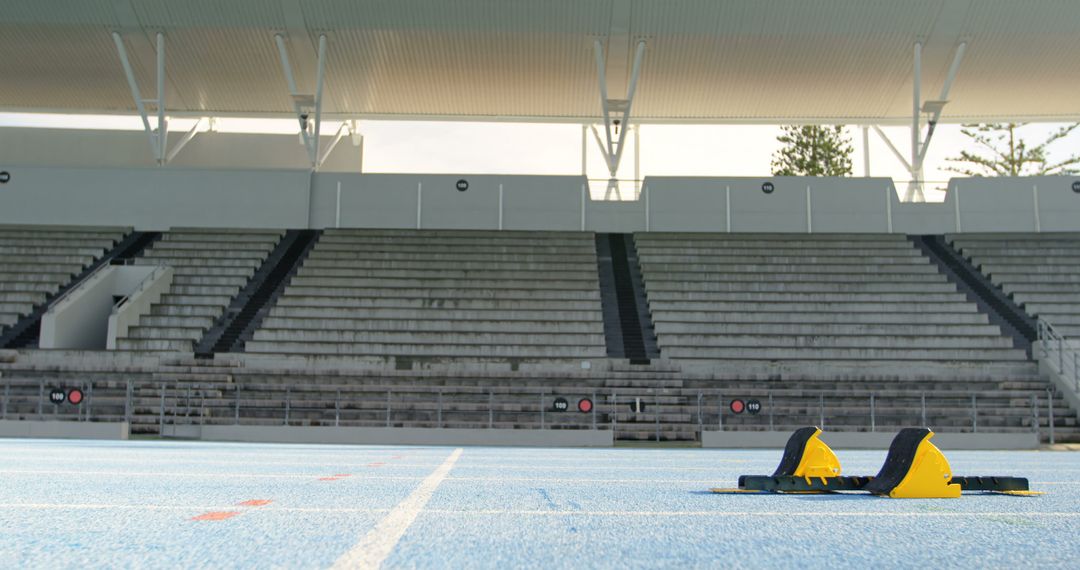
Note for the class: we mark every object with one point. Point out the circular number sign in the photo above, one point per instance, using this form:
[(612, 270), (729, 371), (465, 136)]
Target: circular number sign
[(57, 396)]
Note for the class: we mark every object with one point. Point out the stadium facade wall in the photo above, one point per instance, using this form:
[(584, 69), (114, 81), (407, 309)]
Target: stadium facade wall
[(160, 198), (155, 198), (90, 148)]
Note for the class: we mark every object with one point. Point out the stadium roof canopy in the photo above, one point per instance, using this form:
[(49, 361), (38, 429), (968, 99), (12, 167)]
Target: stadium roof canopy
[(705, 60)]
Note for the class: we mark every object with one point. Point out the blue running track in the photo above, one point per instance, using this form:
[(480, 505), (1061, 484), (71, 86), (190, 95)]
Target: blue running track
[(200, 505)]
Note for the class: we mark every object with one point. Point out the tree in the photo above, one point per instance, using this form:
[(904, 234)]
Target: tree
[(1003, 152), (813, 150)]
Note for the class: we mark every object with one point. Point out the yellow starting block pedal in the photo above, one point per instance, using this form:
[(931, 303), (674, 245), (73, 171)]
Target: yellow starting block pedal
[(914, 469), (806, 456)]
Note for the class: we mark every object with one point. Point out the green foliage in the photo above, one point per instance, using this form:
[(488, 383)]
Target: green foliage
[(1001, 151), (813, 150)]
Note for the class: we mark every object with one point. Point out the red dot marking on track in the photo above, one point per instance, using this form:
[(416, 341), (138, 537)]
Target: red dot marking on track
[(376, 464), (216, 516), (254, 503)]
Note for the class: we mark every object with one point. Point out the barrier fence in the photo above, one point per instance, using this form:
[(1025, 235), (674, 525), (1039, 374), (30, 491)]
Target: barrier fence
[(672, 413)]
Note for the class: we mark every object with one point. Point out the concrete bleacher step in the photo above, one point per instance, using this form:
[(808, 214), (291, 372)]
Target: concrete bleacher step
[(672, 289), (354, 296), (465, 256), (431, 325), (957, 307), (163, 345), (454, 304), (447, 349), (335, 265), (192, 300), (52, 278), (853, 355), (500, 338), (795, 297), (802, 268), (832, 317), (788, 328), (584, 282), (760, 277), (885, 342), (437, 314)]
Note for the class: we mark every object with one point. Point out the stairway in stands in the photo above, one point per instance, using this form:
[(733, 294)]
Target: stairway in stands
[(250, 307), (27, 331), (627, 324), (990, 298)]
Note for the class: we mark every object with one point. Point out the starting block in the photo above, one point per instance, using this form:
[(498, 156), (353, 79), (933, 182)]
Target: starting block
[(914, 469)]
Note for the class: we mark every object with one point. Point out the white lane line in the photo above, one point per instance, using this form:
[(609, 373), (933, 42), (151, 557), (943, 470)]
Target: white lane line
[(158, 474), (390, 463), (491, 512), (104, 506), (355, 476), (885, 514), (374, 548)]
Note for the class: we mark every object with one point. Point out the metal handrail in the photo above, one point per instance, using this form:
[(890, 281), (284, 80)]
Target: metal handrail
[(1059, 353), (146, 281), (66, 295)]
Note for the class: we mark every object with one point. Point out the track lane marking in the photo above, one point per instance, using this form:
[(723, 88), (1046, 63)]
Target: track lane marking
[(491, 512), (377, 545), (216, 516)]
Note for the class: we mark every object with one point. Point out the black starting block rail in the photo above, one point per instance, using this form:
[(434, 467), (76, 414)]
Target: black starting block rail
[(791, 484)]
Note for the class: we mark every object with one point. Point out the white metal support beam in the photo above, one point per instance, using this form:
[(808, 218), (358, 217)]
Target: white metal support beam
[(919, 145), (892, 147), (346, 127), (159, 137), (616, 112), (958, 57), (308, 107), (180, 144)]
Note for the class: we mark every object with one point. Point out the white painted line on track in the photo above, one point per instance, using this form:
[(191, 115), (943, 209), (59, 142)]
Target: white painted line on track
[(157, 474), (395, 463), (752, 514), (180, 474), (377, 545), (537, 513), (104, 506)]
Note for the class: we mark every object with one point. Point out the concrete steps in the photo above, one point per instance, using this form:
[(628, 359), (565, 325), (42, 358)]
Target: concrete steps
[(210, 268)]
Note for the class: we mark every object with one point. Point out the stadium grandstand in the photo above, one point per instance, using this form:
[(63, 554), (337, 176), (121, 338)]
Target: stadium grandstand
[(188, 287)]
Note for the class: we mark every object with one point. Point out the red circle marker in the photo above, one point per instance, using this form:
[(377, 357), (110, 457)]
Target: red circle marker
[(75, 396), (737, 406), (584, 405)]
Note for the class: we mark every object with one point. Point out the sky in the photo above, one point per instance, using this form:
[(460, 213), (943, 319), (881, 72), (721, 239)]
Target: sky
[(546, 148)]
